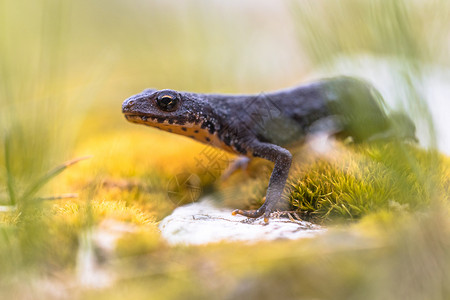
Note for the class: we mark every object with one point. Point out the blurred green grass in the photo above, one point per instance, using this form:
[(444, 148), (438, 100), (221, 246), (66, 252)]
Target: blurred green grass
[(65, 68)]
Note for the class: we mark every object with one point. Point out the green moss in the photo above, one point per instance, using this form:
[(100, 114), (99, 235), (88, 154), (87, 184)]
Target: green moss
[(364, 179)]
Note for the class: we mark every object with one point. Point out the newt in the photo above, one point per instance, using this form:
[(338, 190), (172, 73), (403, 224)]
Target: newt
[(264, 125)]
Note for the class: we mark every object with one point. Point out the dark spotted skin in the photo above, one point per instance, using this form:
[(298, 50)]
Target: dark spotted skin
[(262, 125)]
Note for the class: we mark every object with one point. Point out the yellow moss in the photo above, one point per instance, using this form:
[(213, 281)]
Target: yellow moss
[(140, 152), (143, 241)]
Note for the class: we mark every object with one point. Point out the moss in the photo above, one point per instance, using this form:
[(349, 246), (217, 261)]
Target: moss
[(140, 242), (364, 179)]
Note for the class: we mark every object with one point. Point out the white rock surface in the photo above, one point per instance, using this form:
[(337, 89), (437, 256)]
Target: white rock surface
[(202, 223)]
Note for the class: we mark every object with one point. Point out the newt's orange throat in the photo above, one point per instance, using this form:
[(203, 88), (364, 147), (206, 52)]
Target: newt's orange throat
[(261, 126), (191, 130)]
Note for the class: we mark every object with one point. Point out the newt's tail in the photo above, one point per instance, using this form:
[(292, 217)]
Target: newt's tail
[(363, 112), (400, 127)]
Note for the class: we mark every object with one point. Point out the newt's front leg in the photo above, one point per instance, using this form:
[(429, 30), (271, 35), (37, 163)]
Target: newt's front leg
[(282, 159)]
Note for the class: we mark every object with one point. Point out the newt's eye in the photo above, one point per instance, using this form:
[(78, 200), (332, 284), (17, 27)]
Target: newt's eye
[(167, 102)]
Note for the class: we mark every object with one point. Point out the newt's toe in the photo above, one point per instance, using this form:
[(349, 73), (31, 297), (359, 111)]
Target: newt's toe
[(266, 216), (248, 213)]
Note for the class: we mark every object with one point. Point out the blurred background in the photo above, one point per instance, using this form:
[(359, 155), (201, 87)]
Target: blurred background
[(65, 69)]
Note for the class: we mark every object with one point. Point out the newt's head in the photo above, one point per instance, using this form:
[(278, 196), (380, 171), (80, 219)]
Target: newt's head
[(172, 111), (164, 109)]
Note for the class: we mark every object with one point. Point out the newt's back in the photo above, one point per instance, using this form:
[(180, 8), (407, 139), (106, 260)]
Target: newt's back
[(343, 106)]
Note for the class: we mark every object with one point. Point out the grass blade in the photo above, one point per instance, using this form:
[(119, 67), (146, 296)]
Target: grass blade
[(34, 188), (9, 176)]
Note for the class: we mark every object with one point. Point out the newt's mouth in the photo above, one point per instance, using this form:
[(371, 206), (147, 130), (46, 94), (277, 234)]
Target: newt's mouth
[(141, 118), (134, 118), (151, 120), (158, 121)]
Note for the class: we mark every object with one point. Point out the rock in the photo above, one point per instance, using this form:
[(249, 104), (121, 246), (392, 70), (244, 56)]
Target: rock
[(96, 250), (202, 223)]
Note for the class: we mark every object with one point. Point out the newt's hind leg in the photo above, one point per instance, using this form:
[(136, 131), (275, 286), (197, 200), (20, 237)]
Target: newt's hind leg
[(239, 163)]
